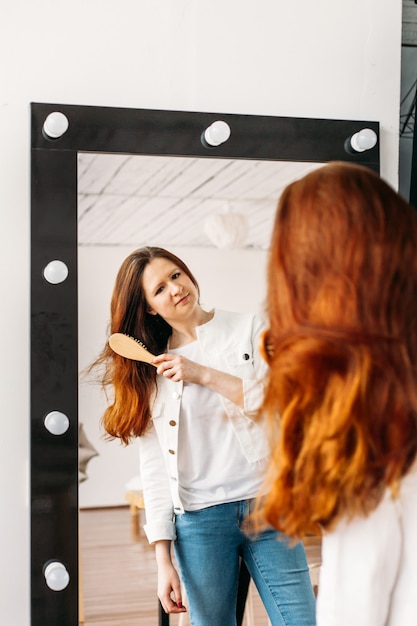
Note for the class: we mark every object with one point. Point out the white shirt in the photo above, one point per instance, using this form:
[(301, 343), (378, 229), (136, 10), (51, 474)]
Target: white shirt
[(369, 571), (230, 343), (212, 467)]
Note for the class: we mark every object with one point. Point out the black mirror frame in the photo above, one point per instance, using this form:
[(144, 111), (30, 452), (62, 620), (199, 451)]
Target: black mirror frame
[(54, 347)]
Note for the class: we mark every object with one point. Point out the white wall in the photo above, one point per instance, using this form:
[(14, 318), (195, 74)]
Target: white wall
[(324, 59)]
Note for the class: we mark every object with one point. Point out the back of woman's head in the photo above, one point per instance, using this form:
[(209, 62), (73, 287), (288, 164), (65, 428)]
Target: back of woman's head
[(342, 296), (343, 253)]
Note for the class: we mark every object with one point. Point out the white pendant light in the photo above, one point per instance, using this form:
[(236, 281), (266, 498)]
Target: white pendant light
[(227, 230)]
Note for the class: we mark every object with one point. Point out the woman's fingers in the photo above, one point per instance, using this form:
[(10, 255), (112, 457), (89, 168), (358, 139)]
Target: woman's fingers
[(161, 358), (171, 606), (165, 364), (176, 367), (176, 588)]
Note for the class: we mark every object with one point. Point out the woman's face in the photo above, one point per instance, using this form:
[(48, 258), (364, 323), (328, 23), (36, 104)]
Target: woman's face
[(169, 292)]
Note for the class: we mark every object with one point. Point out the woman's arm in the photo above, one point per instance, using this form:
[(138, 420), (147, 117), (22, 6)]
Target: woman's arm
[(156, 489), (178, 368), (241, 382), (168, 579)]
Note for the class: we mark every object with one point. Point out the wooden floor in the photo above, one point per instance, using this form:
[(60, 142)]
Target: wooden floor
[(118, 573)]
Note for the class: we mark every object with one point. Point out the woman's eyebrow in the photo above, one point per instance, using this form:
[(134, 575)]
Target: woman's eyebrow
[(172, 271)]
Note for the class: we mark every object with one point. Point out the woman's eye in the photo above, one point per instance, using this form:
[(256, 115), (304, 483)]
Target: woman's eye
[(159, 290), (176, 275)]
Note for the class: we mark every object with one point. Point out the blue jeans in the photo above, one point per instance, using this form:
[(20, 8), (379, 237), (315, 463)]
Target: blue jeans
[(209, 545)]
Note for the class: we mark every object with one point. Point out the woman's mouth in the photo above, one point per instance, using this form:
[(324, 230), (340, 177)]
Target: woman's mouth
[(183, 299)]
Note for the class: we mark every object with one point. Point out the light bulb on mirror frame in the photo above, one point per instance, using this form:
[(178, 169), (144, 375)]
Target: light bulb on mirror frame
[(217, 133), (365, 139), (56, 575), (56, 423), (55, 272), (55, 125)]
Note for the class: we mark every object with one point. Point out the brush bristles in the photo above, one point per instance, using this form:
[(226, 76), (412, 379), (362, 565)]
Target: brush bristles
[(139, 342)]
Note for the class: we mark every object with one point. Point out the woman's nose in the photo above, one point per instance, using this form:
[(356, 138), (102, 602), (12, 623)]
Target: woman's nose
[(175, 289)]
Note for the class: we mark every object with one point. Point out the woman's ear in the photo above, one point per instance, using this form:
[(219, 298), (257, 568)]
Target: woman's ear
[(151, 311)]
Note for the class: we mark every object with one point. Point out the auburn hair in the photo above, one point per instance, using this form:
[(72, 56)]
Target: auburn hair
[(133, 383), (341, 399)]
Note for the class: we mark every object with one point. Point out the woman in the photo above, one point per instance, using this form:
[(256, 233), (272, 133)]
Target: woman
[(342, 350), (202, 455)]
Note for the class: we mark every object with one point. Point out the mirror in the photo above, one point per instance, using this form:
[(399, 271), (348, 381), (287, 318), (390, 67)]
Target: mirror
[(56, 154), (126, 201)]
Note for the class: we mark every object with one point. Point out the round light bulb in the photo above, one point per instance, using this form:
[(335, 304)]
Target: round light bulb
[(56, 576), (217, 133), (56, 423), (55, 272), (55, 125), (364, 140)]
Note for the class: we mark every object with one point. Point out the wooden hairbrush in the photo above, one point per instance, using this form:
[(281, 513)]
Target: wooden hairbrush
[(130, 348)]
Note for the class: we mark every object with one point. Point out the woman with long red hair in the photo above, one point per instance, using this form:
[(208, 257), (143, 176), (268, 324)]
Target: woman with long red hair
[(202, 453), (341, 399)]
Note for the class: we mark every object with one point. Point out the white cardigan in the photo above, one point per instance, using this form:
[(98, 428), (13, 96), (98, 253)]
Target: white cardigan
[(369, 571), (230, 343)]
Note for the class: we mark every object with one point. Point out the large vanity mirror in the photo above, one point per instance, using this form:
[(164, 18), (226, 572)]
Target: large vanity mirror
[(105, 181)]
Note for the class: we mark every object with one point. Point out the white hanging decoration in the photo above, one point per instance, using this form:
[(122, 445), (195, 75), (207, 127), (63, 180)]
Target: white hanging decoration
[(227, 230)]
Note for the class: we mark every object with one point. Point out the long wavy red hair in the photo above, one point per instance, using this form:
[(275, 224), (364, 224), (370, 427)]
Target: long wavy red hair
[(133, 383), (341, 400)]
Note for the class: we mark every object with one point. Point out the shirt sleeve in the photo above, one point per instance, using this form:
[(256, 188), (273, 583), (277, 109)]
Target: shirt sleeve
[(156, 492), (360, 562)]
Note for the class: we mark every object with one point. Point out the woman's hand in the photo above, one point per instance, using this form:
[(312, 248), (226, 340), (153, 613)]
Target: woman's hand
[(177, 368), (169, 589), (169, 584)]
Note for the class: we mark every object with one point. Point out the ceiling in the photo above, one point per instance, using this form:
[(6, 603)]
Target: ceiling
[(137, 200)]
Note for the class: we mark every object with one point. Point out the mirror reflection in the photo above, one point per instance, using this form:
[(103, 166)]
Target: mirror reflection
[(216, 215)]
